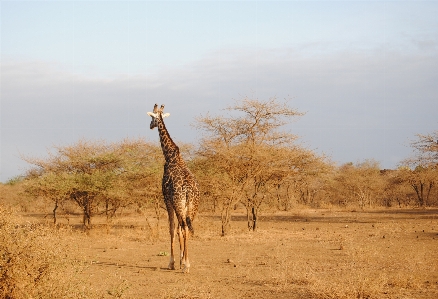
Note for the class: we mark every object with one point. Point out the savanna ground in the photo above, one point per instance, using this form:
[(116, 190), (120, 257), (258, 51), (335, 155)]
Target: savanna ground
[(303, 253)]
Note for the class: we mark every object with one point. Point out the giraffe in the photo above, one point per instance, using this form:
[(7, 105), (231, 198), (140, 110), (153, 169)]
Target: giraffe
[(180, 191)]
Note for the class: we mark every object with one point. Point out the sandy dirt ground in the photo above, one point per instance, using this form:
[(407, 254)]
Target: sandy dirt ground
[(297, 254)]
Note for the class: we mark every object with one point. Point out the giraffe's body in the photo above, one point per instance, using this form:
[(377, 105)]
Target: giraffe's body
[(180, 191)]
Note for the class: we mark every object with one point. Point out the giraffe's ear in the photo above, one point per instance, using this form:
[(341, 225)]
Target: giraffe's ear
[(152, 114), (165, 115)]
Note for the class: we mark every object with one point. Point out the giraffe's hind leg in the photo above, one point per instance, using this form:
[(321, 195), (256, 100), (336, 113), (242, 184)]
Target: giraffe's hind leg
[(186, 257), (181, 247), (183, 230), (172, 228)]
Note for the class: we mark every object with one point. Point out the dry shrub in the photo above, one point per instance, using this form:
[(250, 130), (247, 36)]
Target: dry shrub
[(34, 263)]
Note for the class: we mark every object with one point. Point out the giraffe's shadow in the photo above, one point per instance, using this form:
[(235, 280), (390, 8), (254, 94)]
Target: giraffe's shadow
[(130, 266)]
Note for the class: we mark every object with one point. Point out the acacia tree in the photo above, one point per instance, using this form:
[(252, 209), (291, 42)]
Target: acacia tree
[(93, 173), (311, 179), (250, 153), (426, 150), (50, 186), (222, 176), (79, 173), (422, 181), (396, 190), (361, 183), (295, 167), (421, 170)]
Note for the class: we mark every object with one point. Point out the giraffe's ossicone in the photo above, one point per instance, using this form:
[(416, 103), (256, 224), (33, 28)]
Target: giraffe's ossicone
[(180, 191)]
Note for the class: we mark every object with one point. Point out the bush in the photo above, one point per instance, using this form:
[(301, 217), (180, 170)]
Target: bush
[(34, 263)]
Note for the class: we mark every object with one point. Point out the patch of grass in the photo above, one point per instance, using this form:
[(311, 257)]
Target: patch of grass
[(187, 293), (15, 180), (119, 290)]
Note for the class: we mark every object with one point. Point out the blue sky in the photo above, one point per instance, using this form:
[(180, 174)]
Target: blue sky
[(365, 72)]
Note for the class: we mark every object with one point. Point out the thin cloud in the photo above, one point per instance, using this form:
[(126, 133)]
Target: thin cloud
[(358, 102)]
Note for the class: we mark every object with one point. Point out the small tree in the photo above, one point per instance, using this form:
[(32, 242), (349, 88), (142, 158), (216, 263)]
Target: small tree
[(396, 190), (361, 182), (422, 180), (51, 186), (223, 177), (421, 170), (426, 151), (311, 180)]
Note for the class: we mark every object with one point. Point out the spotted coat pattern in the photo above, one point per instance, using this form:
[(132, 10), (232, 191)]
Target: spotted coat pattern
[(180, 191)]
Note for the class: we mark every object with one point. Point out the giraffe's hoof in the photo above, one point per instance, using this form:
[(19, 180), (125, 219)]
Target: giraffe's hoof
[(171, 266), (185, 269)]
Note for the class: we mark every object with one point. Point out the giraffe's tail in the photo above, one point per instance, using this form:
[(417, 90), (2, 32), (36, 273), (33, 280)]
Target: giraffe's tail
[(189, 224)]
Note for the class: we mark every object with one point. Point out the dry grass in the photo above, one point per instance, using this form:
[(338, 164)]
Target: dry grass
[(300, 254), (37, 262)]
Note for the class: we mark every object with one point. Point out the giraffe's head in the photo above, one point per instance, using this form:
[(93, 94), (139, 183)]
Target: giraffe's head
[(157, 116)]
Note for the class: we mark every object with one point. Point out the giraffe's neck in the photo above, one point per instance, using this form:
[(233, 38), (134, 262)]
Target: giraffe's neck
[(170, 149)]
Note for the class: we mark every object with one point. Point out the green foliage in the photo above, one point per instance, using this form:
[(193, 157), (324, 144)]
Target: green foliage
[(15, 180)]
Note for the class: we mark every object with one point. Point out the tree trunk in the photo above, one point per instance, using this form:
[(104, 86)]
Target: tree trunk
[(106, 209), (248, 218), (287, 201), (54, 211), (278, 197), (87, 214), (226, 219), (428, 193), (214, 204), (419, 193), (254, 218), (158, 215)]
